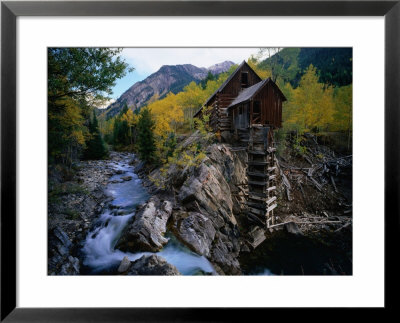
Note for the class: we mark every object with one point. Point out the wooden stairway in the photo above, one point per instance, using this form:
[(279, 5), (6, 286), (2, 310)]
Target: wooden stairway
[(261, 167)]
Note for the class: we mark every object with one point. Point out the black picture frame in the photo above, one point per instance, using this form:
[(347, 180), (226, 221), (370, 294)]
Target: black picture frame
[(10, 10)]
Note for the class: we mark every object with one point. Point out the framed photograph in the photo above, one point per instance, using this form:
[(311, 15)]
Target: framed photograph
[(178, 155)]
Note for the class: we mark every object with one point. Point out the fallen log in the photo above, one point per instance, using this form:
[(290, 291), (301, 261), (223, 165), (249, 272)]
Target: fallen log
[(317, 185), (334, 185)]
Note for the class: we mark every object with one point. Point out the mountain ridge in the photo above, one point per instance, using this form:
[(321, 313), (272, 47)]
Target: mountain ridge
[(169, 78)]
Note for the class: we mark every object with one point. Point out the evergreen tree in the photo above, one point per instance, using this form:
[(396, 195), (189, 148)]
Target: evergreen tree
[(145, 141), (210, 77), (95, 146), (121, 129)]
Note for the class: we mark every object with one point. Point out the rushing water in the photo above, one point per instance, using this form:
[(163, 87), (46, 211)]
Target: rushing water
[(99, 250)]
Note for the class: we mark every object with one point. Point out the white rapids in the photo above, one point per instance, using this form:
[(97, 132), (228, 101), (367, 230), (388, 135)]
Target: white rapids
[(99, 250)]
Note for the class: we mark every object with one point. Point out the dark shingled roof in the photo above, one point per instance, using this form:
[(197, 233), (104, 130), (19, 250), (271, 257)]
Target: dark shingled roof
[(248, 93), (251, 91)]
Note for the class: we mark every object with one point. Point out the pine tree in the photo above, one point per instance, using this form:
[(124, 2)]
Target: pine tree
[(145, 141), (121, 131), (95, 146)]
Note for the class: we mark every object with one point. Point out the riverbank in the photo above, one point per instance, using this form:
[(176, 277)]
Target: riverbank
[(110, 205), (76, 197)]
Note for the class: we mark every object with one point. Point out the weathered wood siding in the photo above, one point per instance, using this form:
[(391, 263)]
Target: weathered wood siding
[(241, 116), (222, 99), (235, 86), (271, 105)]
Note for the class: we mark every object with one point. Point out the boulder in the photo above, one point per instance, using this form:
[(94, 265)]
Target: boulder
[(146, 232), (71, 267), (152, 265), (197, 232), (60, 260), (224, 254), (124, 265)]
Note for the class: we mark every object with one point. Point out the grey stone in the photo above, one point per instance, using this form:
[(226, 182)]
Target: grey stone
[(146, 232), (124, 265), (152, 265), (198, 232)]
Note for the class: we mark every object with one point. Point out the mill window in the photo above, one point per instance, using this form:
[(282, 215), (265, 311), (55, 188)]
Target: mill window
[(256, 107), (245, 79)]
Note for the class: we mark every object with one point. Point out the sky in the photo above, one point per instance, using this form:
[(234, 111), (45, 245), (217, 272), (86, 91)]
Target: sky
[(149, 60)]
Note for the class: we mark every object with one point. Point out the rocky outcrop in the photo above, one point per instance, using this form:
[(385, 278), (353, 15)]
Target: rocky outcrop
[(59, 251), (146, 231), (204, 218), (124, 265), (152, 265), (197, 232)]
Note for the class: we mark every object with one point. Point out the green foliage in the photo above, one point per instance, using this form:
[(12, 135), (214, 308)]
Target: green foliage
[(203, 124), (80, 71), (334, 65), (210, 77), (170, 145), (78, 80), (58, 190), (298, 147), (72, 214), (283, 64), (181, 158), (95, 146), (145, 137), (121, 131)]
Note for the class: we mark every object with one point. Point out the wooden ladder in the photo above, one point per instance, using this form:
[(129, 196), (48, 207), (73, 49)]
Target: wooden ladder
[(261, 200)]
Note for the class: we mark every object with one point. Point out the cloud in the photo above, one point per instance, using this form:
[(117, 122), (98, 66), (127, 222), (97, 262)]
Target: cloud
[(149, 60), (105, 104)]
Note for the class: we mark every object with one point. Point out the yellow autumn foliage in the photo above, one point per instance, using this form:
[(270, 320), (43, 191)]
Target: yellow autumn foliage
[(311, 105)]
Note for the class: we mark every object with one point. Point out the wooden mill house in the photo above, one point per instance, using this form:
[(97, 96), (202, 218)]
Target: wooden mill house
[(250, 108)]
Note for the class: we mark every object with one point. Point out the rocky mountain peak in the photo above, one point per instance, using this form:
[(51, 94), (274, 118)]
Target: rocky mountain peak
[(169, 78)]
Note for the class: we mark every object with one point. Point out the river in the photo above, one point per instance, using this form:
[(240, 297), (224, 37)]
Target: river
[(127, 192)]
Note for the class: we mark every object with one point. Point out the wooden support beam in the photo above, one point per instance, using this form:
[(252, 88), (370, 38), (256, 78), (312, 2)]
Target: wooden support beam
[(257, 174), (255, 219), (271, 200), (257, 152), (257, 211), (258, 183), (272, 207), (258, 163)]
